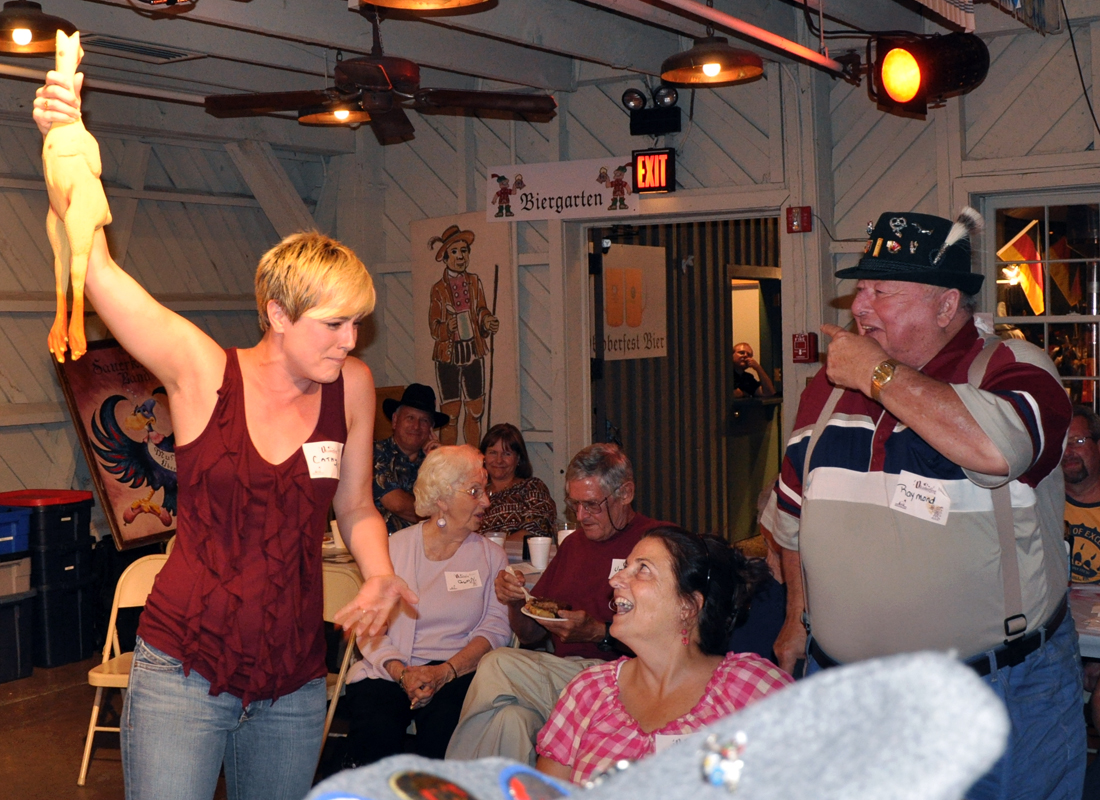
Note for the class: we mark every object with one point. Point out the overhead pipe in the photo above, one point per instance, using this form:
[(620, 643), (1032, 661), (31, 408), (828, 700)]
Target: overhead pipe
[(724, 20)]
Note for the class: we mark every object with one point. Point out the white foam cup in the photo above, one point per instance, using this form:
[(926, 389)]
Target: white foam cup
[(563, 533), (539, 546), (498, 537)]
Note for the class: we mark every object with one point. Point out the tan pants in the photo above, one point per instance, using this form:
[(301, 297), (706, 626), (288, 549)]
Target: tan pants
[(509, 701)]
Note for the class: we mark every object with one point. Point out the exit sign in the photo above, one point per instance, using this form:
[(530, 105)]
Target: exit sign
[(654, 171)]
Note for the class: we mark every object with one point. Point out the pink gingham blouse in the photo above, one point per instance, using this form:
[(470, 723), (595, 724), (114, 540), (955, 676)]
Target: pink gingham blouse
[(590, 730)]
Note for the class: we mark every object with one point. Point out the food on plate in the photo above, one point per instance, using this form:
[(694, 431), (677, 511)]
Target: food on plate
[(541, 607)]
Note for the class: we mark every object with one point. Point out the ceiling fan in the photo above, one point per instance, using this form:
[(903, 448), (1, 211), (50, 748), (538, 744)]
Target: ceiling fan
[(376, 89)]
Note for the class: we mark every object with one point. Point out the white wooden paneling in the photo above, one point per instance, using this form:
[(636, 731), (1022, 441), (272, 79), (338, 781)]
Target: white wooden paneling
[(1032, 83), (400, 322), (542, 466), (536, 391)]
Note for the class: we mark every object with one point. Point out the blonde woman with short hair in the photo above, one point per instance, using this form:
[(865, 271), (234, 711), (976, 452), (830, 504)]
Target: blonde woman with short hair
[(229, 666)]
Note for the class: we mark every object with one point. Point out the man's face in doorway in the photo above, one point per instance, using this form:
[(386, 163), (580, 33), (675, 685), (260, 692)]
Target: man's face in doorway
[(742, 355)]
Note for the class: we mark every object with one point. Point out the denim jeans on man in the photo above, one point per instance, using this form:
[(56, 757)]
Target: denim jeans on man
[(175, 736), (1045, 756)]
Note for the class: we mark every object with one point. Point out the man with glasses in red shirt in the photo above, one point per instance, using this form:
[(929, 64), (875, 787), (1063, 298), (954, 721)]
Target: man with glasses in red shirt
[(514, 690)]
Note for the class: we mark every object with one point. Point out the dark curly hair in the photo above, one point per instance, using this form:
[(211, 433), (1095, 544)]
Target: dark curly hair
[(725, 578)]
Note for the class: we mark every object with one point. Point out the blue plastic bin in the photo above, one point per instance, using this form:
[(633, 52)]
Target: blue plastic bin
[(15, 525)]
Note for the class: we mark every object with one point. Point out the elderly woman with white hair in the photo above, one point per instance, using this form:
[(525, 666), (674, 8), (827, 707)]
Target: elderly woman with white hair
[(420, 669)]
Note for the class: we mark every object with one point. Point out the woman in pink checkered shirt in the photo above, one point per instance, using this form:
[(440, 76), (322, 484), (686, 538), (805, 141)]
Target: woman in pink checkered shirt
[(675, 602)]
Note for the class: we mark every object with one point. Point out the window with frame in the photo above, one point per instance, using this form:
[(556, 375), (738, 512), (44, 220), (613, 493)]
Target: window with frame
[(1045, 255)]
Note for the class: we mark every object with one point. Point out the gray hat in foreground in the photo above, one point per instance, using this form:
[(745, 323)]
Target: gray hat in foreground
[(918, 726)]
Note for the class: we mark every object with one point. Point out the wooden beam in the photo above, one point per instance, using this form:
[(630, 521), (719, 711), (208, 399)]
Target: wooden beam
[(46, 303), (16, 414), (38, 185), (268, 181)]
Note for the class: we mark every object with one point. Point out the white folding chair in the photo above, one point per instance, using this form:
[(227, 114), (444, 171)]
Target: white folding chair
[(342, 582), (133, 588)]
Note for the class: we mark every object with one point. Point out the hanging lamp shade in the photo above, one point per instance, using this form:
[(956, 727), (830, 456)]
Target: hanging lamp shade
[(711, 62), (25, 29), (333, 114), (423, 5)]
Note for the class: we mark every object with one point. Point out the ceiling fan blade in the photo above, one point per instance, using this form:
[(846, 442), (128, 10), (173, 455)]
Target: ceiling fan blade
[(236, 105), (534, 104), (392, 125)]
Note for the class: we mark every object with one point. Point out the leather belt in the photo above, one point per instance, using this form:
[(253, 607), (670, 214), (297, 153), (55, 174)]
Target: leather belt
[(1008, 655)]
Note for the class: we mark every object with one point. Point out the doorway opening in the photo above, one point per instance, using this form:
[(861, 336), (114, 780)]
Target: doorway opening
[(666, 303)]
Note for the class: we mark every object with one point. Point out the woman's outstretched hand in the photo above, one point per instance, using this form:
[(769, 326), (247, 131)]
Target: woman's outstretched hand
[(368, 614)]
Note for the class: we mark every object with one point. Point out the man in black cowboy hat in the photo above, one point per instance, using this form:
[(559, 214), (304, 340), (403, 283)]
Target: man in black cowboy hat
[(919, 450), (397, 459), (460, 323)]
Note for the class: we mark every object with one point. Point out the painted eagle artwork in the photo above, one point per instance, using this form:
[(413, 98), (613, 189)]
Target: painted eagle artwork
[(146, 461)]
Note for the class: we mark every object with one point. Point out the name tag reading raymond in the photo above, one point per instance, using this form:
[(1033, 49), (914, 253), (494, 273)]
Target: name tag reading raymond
[(459, 581), (920, 497), (616, 565), (323, 458)]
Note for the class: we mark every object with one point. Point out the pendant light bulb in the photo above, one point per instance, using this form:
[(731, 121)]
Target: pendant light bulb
[(21, 36), (712, 69)]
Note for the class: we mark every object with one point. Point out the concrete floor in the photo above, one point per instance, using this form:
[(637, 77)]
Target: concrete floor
[(43, 721)]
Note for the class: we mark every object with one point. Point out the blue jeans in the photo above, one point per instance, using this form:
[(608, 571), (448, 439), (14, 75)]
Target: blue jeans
[(1045, 756), (176, 737)]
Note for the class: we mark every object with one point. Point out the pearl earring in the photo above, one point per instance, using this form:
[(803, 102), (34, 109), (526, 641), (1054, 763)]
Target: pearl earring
[(442, 523)]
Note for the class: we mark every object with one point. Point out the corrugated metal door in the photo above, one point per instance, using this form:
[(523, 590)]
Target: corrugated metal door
[(672, 415)]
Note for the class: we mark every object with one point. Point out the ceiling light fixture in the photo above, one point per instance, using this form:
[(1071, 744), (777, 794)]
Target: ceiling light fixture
[(422, 5), (711, 62), (333, 114), (24, 29)]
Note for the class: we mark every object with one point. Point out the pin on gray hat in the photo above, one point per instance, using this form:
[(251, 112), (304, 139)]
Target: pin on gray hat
[(921, 248), (919, 726)]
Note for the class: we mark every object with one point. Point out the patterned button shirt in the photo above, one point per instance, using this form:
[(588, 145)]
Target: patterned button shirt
[(393, 470)]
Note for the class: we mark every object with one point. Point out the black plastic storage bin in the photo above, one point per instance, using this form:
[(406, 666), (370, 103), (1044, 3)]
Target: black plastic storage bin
[(64, 627), (59, 517), (61, 566), (16, 636)]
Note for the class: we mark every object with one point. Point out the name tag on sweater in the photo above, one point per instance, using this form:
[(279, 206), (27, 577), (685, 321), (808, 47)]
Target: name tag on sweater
[(920, 497), (323, 458), (460, 581)]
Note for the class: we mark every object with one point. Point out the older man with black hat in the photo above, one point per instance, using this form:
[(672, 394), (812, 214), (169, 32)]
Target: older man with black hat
[(397, 459), (920, 501)]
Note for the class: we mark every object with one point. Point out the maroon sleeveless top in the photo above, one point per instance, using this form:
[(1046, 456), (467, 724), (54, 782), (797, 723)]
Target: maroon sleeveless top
[(240, 599)]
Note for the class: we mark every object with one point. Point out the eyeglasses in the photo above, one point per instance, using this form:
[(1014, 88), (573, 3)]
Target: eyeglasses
[(590, 507), (474, 491), (1078, 441)]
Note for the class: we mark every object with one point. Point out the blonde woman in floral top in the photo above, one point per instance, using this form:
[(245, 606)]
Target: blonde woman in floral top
[(517, 501)]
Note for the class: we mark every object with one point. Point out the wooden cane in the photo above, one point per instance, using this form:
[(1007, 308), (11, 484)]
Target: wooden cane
[(489, 399)]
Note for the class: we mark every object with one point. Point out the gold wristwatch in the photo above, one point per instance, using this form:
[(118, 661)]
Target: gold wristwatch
[(883, 374)]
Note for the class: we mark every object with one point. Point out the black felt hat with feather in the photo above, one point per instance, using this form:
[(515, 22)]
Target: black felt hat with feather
[(921, 248)]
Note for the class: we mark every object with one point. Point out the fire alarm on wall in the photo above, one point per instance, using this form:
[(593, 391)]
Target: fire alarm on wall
[(799, 219), (804, 348)]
